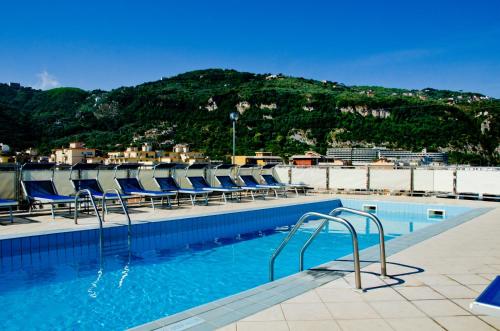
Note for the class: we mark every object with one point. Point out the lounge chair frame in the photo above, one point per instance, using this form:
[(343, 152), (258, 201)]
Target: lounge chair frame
[(206, 185), (172, 167), (32, 200), (287, 186), (142, 193), (7, 203)]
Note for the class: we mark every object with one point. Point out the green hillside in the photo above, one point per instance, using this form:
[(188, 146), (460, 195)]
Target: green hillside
[(284, 115)]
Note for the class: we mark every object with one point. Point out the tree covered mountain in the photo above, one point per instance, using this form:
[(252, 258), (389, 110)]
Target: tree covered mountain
[(284, 115)]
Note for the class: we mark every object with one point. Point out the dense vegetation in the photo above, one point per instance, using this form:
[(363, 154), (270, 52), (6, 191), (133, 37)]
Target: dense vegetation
[(284, 115)]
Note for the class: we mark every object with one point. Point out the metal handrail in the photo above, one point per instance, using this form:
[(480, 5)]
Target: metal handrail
[(325, 218), (122, 203), (376, 220), (92, 201)]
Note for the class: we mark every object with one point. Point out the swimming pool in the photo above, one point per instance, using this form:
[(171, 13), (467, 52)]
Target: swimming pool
[(58, 282)]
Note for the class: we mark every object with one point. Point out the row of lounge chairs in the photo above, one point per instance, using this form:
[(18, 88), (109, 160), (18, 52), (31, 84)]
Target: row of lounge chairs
[(45, 192)]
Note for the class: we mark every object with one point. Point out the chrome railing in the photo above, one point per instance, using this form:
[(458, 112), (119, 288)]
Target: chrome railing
[(122, 204), (324, 220), (376, 220), (87, 194)]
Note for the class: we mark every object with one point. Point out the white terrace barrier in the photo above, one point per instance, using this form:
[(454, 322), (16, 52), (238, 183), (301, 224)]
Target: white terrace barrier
[(348, 179), (390, 179), (477, 180), (470, 180)]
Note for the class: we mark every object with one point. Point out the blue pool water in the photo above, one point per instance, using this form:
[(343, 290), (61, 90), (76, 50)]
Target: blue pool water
[(70, 288)]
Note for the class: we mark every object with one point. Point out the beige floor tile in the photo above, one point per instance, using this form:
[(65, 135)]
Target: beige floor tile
[(338, 283), (455, 291), (339, 295), (495, 267), (414, 324), (305, 311), (396, 309), (469, 279), (364, 325), (262, 326), (313, 326), (439, 308), (484, 269), (410, 281), (230, 327), (395, 269), (308, 297), (367, 280), (435, 280), (465, 304), (463, 323), (381, 294), (489, 276), (419, 293), (493, 321), (351, 310), (270, 314), (478, 288)]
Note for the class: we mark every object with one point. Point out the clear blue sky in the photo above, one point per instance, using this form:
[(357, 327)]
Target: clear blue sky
[(107, 44)]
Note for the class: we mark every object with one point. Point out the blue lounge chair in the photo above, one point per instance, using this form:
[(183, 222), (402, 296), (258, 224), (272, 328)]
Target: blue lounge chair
[(488, 302), (169, 184), (200, 183), (227, 181), (6, 203), (94, 187), (43, 191), (250, 181), (271, 180), (91, 184), (132, 186)]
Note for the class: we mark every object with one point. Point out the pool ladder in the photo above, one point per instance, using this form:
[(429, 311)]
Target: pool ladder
[(87, 194), (324, 220)]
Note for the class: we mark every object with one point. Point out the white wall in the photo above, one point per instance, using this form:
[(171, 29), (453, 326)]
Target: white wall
[(314, 177), (390, 179), (423, 180), (349, 179), (443, 180), (478, 181), (282, 174)]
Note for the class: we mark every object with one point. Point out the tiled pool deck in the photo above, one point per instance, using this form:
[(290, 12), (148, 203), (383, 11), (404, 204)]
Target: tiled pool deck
[(434, 274), (431, 286)]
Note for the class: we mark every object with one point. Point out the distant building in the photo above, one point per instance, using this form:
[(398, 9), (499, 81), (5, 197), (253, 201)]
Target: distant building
[(132, 154), (146, 155), (75, 153), (260, 158), (353, 155), (422, 157), (15, 85), (309, 158), (329, 162), (182, 154), (363, 156), (382, 163)]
